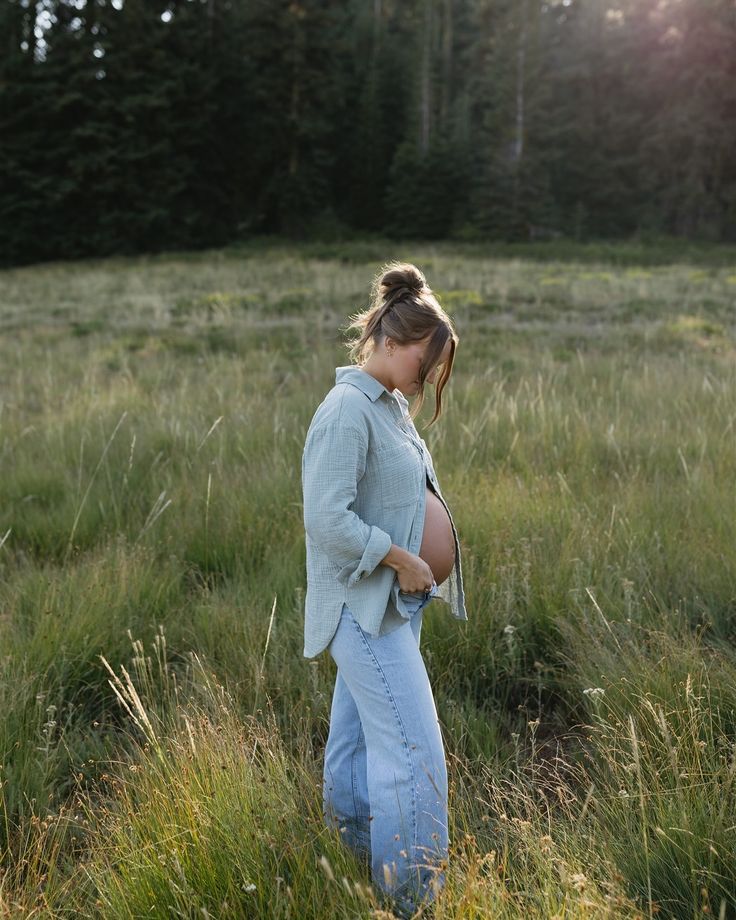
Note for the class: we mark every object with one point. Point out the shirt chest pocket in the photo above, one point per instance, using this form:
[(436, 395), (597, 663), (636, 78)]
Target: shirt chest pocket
[(398, 471)]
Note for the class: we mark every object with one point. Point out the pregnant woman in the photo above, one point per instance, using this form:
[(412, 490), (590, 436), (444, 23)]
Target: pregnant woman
[(380, 543)]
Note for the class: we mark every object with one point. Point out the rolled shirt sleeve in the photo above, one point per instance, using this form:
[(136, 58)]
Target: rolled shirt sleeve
[(333, 463)]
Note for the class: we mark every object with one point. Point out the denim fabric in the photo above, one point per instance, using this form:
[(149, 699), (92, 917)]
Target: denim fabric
[(365, 472), (385, 777), (392, 620)]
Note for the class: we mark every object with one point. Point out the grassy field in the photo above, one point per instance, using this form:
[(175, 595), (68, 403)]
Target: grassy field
[(162, 735)]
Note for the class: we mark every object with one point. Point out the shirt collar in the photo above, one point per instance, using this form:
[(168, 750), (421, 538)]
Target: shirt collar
[(365, 382)]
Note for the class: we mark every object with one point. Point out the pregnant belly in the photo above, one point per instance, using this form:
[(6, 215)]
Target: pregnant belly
[(438, 542)]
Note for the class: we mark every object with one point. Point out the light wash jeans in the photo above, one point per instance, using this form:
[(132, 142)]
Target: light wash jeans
[(385, 777)]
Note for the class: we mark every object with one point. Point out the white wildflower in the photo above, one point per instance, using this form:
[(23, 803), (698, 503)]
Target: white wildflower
[(578, 881)]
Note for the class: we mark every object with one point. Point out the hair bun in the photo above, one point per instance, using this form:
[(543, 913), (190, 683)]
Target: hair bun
[(399, 275)]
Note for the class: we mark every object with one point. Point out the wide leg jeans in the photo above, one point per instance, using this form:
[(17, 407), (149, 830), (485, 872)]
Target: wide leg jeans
[(385, 776)]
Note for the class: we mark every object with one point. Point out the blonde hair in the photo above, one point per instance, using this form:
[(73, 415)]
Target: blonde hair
[(404, 307)]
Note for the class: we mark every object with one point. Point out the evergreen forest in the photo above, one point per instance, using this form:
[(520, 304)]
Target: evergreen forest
[(133, 126)]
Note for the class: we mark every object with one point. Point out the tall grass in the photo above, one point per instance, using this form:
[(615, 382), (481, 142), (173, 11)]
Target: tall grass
[(152, 420)]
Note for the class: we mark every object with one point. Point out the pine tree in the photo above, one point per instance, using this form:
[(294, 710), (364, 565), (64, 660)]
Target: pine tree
[(690, 151)]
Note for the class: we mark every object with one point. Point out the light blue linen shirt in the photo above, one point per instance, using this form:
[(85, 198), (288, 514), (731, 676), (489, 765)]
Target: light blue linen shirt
[(364, 469)]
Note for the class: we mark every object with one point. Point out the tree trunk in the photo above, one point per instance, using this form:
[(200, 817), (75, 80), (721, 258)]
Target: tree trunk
[(426, 94), (520, 62), (376, 30), (446, 64)]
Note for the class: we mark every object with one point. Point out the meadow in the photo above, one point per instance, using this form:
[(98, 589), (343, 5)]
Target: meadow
[(162, 735)]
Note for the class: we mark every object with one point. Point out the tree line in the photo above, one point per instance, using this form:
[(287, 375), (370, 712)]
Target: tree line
[(137, 125)]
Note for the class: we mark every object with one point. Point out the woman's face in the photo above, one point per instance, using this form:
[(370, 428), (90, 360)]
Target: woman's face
[(406, 362)]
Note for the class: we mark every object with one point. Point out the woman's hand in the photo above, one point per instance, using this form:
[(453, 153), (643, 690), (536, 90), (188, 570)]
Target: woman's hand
[(419, 578), (414, 574)]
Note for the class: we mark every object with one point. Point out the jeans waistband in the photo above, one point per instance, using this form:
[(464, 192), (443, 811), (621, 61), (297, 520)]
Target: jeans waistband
[(422, 595)]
